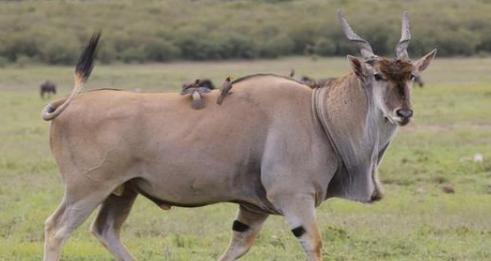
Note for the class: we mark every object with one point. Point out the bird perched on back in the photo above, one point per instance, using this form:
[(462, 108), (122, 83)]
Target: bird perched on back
[(188, 88), (196, 90), (206, 83), (225, 90)]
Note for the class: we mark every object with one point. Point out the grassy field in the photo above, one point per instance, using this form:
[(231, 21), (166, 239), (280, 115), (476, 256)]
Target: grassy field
[(415, 221)]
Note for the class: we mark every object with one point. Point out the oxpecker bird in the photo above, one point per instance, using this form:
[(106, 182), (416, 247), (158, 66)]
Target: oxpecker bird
[(196, 91), (224, 91)]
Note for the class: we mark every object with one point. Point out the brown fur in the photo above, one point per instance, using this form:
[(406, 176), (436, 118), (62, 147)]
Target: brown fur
[(395, 70)]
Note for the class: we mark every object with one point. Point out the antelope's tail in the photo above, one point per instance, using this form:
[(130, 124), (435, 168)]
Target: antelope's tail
[(82, 73)]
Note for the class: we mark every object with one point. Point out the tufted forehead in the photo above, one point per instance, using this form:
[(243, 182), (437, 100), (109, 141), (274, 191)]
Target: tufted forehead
[(394, 69)]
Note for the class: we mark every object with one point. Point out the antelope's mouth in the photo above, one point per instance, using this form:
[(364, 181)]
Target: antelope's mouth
[(400, 121), (404, 121)]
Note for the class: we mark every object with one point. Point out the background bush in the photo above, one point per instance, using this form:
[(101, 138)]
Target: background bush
[(151, 31)]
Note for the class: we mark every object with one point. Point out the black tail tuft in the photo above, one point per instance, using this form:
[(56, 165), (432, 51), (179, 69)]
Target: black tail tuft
[(86, 60)]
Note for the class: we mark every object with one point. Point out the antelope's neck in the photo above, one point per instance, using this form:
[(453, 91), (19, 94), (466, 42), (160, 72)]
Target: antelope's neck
[(358, 129), (352, 123)]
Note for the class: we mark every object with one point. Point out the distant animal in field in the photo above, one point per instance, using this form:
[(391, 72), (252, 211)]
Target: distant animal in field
[(47, 88), (448, 189), (275, 147)]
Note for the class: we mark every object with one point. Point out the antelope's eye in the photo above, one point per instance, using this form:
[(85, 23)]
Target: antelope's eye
[(413, 77), (379, 77)]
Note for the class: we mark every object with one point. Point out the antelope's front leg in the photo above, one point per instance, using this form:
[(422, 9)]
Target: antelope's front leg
[(299, 211), (245, 229)]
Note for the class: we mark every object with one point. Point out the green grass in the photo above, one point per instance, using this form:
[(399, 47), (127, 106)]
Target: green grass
[(415, 221)]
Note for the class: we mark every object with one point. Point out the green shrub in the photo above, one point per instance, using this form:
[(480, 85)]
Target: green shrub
[(59, 50), (276, 46), (216, 29), (22, 61), (132, 54), (325, 47), (160, 50)]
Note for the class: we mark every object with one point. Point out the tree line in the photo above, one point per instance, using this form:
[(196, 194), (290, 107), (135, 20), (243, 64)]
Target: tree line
[(53, 32)]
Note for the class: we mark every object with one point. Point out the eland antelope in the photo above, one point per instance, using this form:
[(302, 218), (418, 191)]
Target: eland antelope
[(275, 147)]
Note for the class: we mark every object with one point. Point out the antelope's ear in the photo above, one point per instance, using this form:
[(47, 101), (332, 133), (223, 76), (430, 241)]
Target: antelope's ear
[(422, 63), (358, 66)]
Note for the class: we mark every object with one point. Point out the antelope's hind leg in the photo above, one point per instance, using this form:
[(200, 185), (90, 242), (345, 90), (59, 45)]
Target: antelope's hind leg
[(74, 209), (112, 214), (245, 229)]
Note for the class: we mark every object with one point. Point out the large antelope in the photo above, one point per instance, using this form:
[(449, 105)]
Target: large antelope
[(273, 147)]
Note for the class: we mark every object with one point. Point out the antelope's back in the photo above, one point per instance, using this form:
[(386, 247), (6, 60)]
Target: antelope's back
[(163, 126)]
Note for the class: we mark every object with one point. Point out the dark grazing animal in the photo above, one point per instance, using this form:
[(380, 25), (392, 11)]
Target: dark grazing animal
[(47, 88)]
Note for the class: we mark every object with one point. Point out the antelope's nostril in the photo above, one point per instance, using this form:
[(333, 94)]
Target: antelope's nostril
[(404, 113)]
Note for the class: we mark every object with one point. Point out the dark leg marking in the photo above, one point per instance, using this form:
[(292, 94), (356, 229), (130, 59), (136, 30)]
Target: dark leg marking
[(239, 226), (298, 231)]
